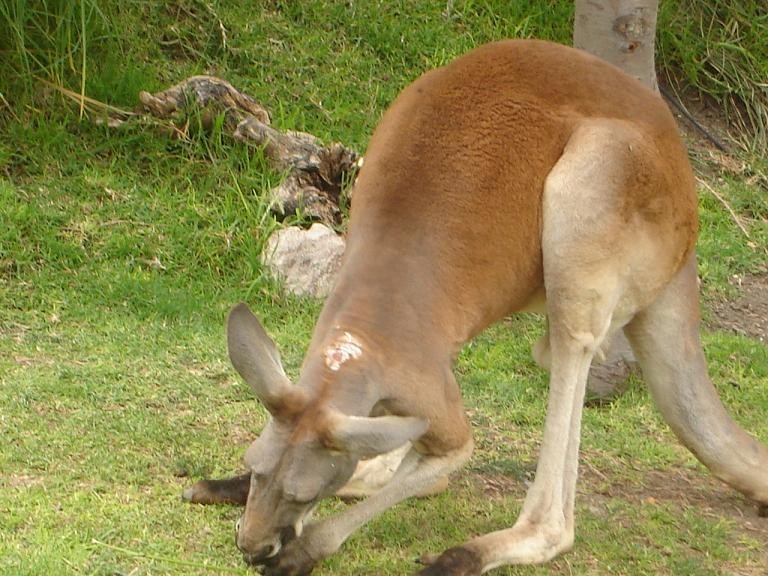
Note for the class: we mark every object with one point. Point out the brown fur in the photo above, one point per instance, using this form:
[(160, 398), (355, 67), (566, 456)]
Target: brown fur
[(457, 233), (522, 174)]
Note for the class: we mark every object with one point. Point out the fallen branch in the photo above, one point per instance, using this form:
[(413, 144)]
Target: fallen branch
[(315, 174), (204, 92)]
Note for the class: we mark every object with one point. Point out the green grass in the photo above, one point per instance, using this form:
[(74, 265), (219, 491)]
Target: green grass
[(721, 48), (121, 251)]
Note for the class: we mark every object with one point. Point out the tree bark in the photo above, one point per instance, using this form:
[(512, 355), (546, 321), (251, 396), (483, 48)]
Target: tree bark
[(621, 32)]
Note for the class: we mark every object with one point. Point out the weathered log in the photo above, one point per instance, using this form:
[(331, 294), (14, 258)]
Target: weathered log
[(315, 174), (203, 92)]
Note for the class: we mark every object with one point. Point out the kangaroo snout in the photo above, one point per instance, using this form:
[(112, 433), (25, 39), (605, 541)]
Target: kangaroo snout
[(257, 552)]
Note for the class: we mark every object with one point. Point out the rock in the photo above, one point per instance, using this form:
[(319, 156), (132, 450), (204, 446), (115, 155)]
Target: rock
[(608, 376), (307, 261)]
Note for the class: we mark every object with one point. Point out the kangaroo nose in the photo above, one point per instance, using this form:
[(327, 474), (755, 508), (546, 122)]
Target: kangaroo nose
[(264, 553), (256, 549)]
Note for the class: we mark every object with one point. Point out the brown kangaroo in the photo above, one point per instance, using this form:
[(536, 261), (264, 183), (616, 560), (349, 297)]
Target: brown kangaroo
[(522, 176)]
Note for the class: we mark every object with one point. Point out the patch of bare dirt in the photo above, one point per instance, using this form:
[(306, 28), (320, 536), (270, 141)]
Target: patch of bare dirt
[(21, 481), (681, 489), (747, 313), (714, 154), (678, 488), (496, 485)]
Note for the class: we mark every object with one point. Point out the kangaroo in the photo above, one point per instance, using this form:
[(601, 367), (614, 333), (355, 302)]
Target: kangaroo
[(524, 175)]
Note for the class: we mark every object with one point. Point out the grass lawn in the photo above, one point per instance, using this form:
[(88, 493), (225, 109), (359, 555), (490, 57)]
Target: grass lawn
[(121, 251)]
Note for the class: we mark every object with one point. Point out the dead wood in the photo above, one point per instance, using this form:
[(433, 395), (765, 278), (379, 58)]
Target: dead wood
[(204, 92), (315, 173)]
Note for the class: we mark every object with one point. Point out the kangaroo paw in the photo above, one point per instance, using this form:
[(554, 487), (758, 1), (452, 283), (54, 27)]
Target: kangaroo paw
[(228, 491), (454, 562)]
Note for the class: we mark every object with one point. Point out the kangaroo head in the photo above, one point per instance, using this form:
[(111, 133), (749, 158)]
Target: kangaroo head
[(307, 450)]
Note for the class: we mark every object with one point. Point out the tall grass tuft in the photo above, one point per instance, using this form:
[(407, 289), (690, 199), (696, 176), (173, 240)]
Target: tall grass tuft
[(48, 39), (721, 48)]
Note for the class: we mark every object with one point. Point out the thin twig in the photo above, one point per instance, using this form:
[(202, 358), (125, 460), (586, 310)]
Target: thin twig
[(72, 565), (7, 105), (676, 102), (594, 470), (118, 221), (727, 206), (134, 553)]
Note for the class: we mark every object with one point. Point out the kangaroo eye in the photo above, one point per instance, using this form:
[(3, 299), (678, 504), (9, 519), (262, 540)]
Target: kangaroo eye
[(300, 495), (301, 488)]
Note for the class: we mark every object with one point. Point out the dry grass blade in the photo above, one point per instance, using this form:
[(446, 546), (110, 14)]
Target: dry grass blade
[(84, 59), (722, 201), (6, 105), (87, 103), (166, 560), (222, 28)]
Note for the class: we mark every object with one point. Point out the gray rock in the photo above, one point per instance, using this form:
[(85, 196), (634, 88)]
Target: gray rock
[(608, 377), (305, 260)]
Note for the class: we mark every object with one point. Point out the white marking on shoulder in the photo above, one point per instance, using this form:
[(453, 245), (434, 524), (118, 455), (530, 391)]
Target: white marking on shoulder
[(344, 348)]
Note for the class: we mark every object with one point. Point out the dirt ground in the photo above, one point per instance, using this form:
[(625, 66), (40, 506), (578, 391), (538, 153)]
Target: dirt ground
[(675, 488), (747, 313), (681, 489)]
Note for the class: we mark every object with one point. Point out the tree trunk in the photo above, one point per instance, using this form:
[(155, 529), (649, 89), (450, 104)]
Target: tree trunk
[(621, 32)]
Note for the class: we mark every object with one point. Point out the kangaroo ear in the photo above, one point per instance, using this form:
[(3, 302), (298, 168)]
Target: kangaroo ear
[(256, 358), (366, 437)]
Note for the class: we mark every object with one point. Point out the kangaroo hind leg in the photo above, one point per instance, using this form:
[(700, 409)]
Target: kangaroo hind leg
[(587, 249), (665, 337)]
